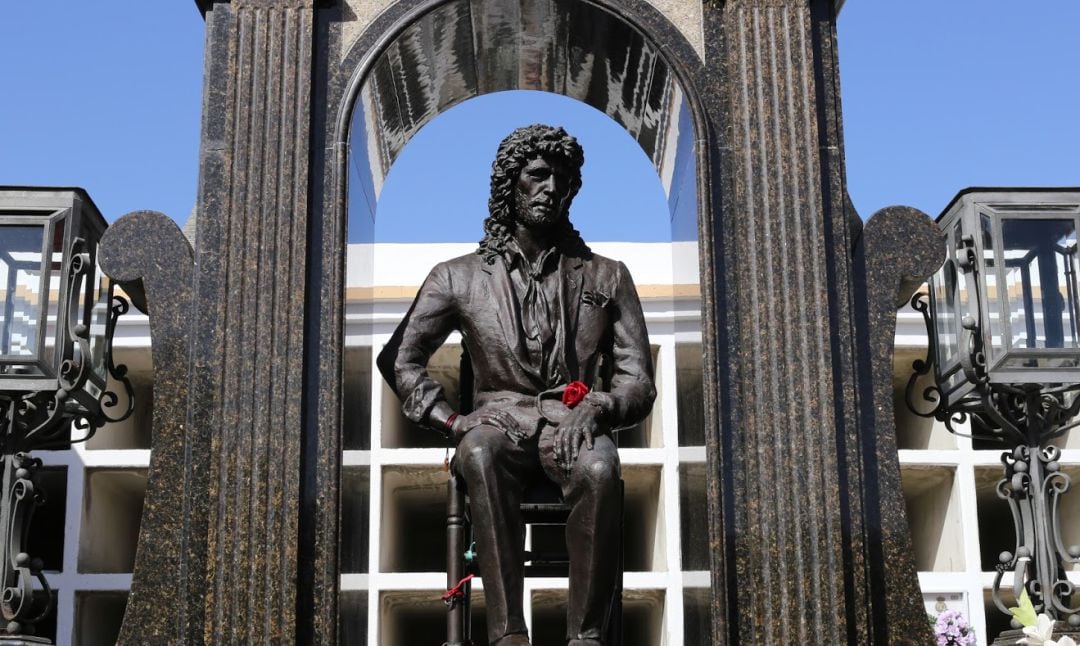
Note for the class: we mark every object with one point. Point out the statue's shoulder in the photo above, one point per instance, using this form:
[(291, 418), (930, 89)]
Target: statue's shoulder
[(452, 278), (455, 274)]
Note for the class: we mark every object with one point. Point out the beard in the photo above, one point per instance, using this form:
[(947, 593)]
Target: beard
[(530, 216)]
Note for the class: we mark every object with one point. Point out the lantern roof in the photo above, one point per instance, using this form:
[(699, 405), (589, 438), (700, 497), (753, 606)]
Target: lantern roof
[(999, 190), (11, 196)]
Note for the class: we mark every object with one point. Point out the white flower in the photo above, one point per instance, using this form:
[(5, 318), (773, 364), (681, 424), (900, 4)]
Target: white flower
[(1040, 633), (1064, 641)]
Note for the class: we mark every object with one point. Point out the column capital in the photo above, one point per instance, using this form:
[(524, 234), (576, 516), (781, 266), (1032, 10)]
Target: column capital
[(837, 4), (204, 5)]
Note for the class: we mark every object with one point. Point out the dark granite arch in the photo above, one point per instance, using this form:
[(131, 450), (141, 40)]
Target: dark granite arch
[(651, 110), (399, 83)]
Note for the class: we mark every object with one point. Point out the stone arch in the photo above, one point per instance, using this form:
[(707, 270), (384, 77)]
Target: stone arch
[(602, 53), (644, 74)]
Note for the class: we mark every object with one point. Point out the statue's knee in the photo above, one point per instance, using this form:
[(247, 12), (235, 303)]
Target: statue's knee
[(479, 451), (474, 459), (600, 470)]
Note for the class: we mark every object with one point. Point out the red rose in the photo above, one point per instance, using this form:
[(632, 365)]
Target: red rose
[(574, 393)]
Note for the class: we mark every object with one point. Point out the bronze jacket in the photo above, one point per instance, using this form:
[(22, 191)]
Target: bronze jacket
[(601, 321)]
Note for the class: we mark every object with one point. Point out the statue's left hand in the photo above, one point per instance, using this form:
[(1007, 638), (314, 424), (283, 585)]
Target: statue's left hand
[(580, 425)]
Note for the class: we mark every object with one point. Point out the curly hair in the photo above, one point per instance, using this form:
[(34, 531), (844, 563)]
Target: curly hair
[(515, 152)]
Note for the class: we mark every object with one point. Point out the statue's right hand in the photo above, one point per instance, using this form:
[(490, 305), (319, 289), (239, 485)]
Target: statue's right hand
[(493, 417)]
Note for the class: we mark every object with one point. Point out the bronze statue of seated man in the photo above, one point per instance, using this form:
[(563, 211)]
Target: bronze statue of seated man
[(541, 318)]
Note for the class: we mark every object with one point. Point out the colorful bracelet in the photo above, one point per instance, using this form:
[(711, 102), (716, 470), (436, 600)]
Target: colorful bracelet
[(450, 421)]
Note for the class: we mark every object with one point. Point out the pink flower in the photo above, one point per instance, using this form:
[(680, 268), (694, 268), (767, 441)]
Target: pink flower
[(952, 629)]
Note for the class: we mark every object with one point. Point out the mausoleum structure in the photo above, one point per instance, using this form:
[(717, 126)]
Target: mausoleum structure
[(253, 526)]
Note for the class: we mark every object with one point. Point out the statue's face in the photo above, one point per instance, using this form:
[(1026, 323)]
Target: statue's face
[(542, 192)]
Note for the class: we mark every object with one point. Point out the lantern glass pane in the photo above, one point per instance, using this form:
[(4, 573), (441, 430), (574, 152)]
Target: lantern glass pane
[(22, 311), (54, 298), (1040, 278), (99, 316), (944, 285), (963, 296), (992, 290)]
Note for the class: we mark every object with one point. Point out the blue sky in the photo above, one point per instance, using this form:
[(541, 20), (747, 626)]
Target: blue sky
[(938, 95), (621, 197), (103, 95)]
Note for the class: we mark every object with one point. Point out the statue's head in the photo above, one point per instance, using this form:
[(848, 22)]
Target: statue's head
[(534, 178)]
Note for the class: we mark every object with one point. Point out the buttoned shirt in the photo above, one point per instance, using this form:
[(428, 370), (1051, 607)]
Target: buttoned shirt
[(536, 290)]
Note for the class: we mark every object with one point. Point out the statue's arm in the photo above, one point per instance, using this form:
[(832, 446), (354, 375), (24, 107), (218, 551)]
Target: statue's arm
[(403, 362), (632, 389)]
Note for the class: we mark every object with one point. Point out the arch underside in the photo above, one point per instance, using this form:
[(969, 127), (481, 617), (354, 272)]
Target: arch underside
[(467, 48)]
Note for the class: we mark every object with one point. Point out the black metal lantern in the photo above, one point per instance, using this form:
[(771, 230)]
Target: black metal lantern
[(57, 316), (1003, 321), (57, 381), (1007, 292)]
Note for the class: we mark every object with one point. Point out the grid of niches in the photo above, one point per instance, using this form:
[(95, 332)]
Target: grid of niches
[(394, 510), (959, 525), (394, 497), (88, 528)]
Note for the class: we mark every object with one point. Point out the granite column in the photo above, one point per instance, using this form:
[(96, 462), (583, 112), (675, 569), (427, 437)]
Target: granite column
[(795, 525), (251, 257)]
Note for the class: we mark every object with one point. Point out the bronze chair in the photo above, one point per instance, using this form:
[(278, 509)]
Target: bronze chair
[(543, 505)]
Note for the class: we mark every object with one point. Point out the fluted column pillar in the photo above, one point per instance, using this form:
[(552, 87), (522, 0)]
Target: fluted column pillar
[(251, 256), (800, 501)]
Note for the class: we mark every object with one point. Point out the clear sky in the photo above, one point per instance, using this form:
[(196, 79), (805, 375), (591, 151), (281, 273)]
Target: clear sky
[(104, 95), (938, 95), (621, 197)]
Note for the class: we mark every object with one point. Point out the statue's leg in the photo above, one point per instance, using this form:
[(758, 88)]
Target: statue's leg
[(592, 535), (496, 470)]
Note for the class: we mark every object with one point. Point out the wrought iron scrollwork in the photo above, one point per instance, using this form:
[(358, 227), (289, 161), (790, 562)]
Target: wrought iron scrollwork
[(109, 399), (1033, 485), (87, 396), (931, 394), (1024, 417), (18, 569), (84, 400)]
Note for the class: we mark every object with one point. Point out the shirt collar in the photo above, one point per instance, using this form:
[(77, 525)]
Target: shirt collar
[(514, 255)]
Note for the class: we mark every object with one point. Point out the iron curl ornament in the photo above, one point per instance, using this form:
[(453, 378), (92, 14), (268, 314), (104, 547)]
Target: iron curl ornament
[(91, 390), (85, 399), (1002, 318), (18, 569), (1024, 418)]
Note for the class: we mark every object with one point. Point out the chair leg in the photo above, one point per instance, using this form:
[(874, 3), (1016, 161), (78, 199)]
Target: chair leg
[(466, 603), (457, 611)]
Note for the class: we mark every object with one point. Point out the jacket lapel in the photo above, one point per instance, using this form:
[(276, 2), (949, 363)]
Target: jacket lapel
[(573, 282)]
